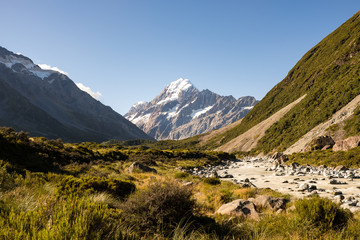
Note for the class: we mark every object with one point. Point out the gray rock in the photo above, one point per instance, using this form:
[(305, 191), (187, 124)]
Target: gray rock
[(140, 167), (303, 187), (239, 208), (270, 202)]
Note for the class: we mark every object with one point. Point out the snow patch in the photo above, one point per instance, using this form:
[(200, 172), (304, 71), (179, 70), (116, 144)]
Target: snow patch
[(141, 119), (198, 112), (48, 67), (172, 112), (95, 95), (250, 107)]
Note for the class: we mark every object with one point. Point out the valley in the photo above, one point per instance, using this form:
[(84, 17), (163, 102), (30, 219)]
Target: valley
[(188, 164)]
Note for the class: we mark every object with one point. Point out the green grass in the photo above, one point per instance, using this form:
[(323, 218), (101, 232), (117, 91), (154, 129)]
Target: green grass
[(350, 158)]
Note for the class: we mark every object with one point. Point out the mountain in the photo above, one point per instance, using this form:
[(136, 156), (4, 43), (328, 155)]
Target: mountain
[(182, 111), (324, 81), (48, 103)]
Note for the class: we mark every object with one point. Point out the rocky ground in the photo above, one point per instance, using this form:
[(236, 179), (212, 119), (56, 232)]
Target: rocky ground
[(340, 184)]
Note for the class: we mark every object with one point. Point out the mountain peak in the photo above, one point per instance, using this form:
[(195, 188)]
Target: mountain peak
[(182, 111), (175, 90)]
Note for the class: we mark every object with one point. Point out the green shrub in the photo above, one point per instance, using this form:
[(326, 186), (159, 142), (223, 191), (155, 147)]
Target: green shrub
[(72, 186), (181, 175), (160, 207), (212, 180), (69, 219), (322, 213)]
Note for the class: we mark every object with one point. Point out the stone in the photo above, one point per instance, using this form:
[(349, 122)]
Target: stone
[(337, 193), (295, 165), (339, 198), (340, 168), (187, 183), (280, 158), (303, 187), (140, 167), (346, 144), (270, 202), (239, 208)]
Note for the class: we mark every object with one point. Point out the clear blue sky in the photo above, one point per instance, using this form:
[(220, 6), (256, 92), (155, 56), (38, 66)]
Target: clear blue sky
[(130, 50)]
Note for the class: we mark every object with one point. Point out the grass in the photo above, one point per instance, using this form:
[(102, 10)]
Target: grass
[(350, 158), (93, 198)]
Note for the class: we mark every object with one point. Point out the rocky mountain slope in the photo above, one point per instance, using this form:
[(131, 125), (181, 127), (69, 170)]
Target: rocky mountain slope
[(47, 103), (328, 77), (182, 111)]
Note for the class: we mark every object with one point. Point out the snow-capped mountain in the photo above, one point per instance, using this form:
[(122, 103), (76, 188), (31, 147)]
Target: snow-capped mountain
[(182, 111), (48, 103)]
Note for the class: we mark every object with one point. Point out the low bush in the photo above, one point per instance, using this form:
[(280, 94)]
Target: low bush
[(322, 213), (159, 207), (72, 186), (212, 180), (181, 175)]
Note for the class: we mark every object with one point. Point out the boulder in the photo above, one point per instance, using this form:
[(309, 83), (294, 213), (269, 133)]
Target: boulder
[(270, 202), (320, 142), (239, 208), (140, 167), (347, 144), (280, 158), (341, 168), (304, 187)]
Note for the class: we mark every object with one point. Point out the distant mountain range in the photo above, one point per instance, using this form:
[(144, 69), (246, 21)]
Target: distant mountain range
[(182, 111), (48, 103)]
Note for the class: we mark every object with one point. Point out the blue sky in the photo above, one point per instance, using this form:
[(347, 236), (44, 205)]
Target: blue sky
[(130, 50)]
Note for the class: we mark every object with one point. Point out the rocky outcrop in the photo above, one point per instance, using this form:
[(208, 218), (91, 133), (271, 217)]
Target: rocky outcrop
[(239, 208), (347, 144), (182, 111), (321, 143)]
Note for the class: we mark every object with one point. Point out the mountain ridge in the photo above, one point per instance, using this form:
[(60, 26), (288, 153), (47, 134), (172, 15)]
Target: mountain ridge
[(60, 108), (181, 111)]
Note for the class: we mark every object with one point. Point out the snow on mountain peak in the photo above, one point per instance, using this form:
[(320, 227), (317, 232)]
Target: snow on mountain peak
[(179, 85), (174, 89)]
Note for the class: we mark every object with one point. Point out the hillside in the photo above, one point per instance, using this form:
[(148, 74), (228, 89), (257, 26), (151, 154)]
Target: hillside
[(329, 76), (48, 103)]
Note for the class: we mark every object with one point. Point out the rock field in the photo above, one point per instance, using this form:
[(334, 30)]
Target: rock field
[(339, 183)]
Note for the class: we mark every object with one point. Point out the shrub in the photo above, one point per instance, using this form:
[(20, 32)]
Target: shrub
[(73, 186), (69, 219), (160, 207), (181, 175), (212, 180), (322, 213)]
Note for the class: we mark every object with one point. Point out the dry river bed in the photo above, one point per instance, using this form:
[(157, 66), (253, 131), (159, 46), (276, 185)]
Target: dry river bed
[(339, 184)]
